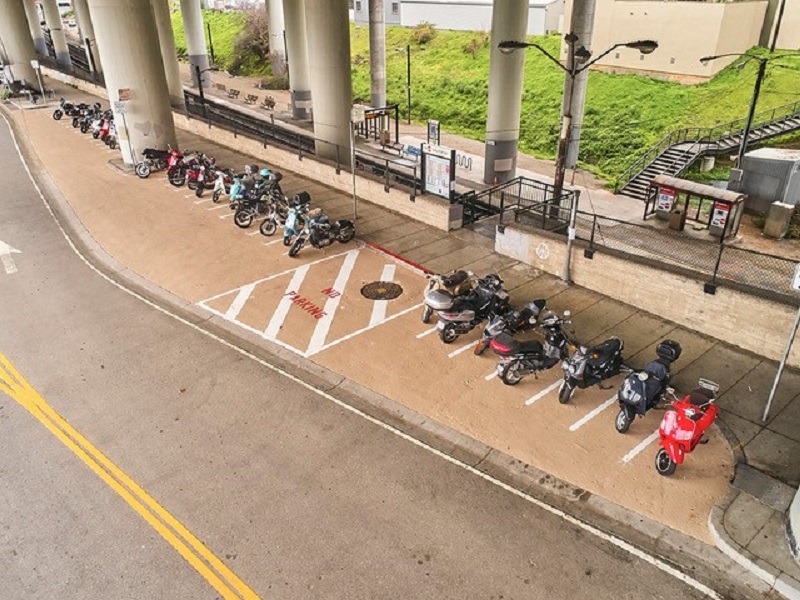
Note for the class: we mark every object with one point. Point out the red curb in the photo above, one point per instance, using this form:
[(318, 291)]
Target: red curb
[(397, 257)]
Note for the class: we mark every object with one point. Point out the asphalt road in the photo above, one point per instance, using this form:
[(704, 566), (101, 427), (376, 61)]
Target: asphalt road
[(296, 496)]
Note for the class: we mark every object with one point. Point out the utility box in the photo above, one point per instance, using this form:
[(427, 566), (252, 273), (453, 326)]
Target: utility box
[(778, 220), (770, 175)]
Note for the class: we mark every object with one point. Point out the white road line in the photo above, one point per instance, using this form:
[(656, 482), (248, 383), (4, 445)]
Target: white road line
[(463, 348), (178, 189), (611, 539), (364, 329), (190, 196), (380, 306), (640, 446), (254, 233), (585, 419), (543, 393), (491, 375), (278, 241), (216, 208), (238, 302), (324, 324), (426, 332), (279, 316), (201, 201), (228, 216)]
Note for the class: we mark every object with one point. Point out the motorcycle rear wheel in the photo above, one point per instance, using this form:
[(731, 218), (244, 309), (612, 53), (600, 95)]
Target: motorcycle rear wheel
[(177, 179), (346, 235), (565, 392), (216, 196), (143, 170), (268, 227), (243, 219), (198, 191), (112, 143), (622, 422), (426, 314), (296, 247), (511, 374), (448, 335), (664, 464)]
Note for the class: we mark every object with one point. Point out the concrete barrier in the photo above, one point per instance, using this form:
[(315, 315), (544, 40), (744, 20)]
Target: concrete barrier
[(793, 526), (750, 322)]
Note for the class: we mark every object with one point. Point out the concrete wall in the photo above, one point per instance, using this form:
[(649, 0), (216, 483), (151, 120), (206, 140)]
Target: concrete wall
[(793, 526), (789, 34), (685, 31), (675, 297)]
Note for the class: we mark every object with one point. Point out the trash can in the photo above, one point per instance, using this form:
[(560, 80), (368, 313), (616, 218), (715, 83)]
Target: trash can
[(677, 220)]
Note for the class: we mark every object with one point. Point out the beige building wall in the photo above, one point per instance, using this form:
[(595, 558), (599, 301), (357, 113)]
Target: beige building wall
[(685, 32), (789, 34)]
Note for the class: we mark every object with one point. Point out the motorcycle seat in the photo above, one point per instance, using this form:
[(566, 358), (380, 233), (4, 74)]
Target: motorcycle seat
[(516, 347), (454, 278), (602, 353)]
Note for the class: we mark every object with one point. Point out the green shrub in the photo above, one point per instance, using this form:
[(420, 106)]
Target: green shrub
[(478, 42), (423, 33), (278, 82)]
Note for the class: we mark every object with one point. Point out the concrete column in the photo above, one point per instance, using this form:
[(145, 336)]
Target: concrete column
[(294, 13), (329, 67), (509, 22), (377, 53), (86, 27), (35, 26), (581, 24), (17, 45), (195, 39), (277, 47), (169, 55), (53, 19), (130, 51)]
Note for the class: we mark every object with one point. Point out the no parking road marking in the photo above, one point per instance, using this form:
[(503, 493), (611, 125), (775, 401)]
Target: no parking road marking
[(5, 256)]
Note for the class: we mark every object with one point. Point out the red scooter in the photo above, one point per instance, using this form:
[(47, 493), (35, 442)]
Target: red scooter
[(684, 424)]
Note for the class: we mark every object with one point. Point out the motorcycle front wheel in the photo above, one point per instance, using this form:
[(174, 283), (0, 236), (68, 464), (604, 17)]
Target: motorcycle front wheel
[(346, 234), (565, 392), (296, 247), (178, 178), (216, 196), (622, 422), (57, 114), (268, 227), (448, 335), (511, 373), (112, 143), (243, 218), (192, 185), (84, 128), (143, 170), (664, 464), (426, 314), (198, 191)]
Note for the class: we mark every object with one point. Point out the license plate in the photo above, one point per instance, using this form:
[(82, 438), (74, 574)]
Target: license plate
[(440, 325), (500, 368)]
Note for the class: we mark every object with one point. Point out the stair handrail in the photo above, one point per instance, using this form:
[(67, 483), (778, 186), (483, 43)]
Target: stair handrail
[(711, 135)]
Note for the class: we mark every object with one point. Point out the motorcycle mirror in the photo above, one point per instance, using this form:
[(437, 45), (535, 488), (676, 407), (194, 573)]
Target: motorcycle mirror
[(671, 391), (642, 375)]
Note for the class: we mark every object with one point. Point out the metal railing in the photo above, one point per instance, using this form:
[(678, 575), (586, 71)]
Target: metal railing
[(707, 135)]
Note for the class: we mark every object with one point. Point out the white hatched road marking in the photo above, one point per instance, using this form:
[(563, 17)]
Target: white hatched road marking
[(324, 324), (380, 306), (279, 316), (463, 348), (640, 446), (543, 393), (238, 303), (278, 241), (202, 200), (585, 419), (426, 332)]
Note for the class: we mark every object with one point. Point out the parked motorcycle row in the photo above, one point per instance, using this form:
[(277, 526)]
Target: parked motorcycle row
[(254, 194), (89, 119), (462, 302)]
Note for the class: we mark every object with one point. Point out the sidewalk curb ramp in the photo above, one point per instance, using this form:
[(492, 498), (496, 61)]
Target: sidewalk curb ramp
[(732, 578)]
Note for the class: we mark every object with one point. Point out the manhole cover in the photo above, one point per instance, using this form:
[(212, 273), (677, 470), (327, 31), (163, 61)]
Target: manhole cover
[(381, 290)]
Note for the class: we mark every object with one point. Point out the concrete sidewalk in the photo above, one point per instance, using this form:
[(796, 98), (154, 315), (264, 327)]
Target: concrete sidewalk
[(743, 530)]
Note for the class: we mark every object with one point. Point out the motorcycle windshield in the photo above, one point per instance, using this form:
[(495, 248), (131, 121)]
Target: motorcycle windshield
[(291, 219)]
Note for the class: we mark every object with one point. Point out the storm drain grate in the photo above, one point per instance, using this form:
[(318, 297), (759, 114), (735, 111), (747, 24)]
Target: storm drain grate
[(381, 290)]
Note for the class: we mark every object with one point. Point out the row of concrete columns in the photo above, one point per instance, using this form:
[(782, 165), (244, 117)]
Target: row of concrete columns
[(134, 43)]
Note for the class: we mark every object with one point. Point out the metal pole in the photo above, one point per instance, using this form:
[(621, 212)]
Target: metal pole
[(408, 80), (781, 366), (762, 67), (777, 26), (353, 168), (210, 43), (573, 218), (566, 124), (200, 89), (41, 85), (128, 137)]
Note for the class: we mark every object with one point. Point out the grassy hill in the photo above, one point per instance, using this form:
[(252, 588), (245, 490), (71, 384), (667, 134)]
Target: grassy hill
[(625, 114)]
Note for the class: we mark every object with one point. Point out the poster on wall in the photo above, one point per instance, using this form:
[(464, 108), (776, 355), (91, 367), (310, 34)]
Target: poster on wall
[(666, 198), (438, 170), (720, 215)]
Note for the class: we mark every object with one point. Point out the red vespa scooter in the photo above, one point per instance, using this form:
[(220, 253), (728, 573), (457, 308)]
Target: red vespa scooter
[(684, 424)]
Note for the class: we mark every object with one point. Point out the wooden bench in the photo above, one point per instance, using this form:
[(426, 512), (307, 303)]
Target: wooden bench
[(234, 94), (250, 99), (221, 87), (268, 103)]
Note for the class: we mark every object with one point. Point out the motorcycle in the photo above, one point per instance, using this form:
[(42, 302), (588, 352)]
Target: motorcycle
[(518, 359), (586, 367), (154, 160), (462, 314), (222, 184), (111, 137), (206, 175), (511, 322), (644, 390), (443, 288), (276, 215), (179, 165), (68, 108), (320, 232), (296, 217), (683, 426)]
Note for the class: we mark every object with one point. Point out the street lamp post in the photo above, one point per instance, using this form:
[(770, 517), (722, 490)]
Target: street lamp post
[(199, 72)]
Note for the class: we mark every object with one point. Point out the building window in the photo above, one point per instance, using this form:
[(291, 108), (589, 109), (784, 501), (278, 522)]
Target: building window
[(672, 60), (395, 8), (358, 6)]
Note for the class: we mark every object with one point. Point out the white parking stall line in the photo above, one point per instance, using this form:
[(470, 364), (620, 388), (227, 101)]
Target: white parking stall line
[(201, 201), (463, 348), (190, 196), (216, 208), (586, 418), (228, 216), (238, 303), (278, 241), (252, 232), (380, 306), (640, 446), (279, 316), (491, 375), (426, 332), (178, 189), (324, 324), (543, 392)]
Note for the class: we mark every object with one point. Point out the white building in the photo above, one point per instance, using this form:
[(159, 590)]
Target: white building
[(544, 16)]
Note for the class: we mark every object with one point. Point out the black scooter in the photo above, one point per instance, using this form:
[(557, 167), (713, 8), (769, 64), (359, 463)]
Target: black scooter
[(586, 367)]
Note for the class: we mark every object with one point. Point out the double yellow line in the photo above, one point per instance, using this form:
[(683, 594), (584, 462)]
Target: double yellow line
[(188, 546)]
